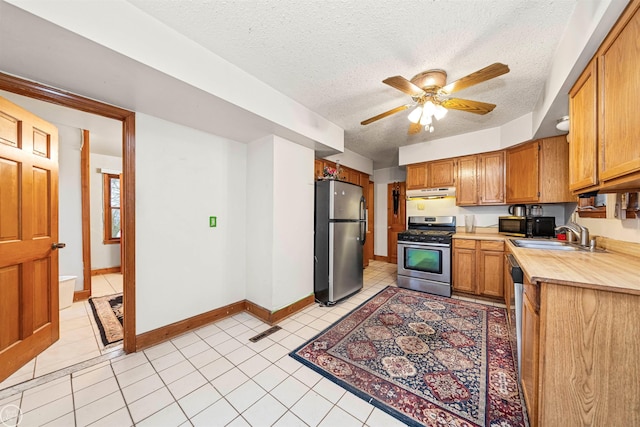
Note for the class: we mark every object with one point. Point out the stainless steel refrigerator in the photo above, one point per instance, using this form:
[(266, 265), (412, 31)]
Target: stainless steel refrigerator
[(340, 231)]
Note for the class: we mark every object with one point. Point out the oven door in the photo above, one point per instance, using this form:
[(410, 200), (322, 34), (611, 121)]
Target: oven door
[(428, 261)]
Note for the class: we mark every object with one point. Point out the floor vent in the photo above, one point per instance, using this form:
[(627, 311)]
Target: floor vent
[(265, 333)]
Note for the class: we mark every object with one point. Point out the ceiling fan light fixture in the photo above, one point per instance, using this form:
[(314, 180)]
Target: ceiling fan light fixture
[(414, 116), (439, 112), (425, 120), (429, 108)]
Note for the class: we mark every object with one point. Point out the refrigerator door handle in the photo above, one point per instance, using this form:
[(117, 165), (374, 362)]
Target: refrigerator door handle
[(363, 223)]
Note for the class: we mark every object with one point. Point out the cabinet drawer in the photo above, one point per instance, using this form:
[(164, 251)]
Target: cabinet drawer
[(464, 244), (492, 245), (532, 293)]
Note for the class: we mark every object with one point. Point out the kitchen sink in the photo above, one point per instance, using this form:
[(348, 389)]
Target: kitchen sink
[(553, 245)]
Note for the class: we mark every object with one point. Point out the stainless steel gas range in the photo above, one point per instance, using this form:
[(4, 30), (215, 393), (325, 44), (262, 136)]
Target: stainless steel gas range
[(424, 254)]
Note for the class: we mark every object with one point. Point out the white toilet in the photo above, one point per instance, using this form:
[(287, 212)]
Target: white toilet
[(67, 287)]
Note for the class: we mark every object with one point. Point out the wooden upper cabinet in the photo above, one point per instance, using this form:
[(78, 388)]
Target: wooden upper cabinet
[(583, 127), (416, 176), (619, 90), (491, 174), (467, 181), (318, 169), (522, 173), (441, 173), (554, 171), (353, 176), (538, 171)]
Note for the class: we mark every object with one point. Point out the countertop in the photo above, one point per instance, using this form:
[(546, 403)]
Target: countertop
[(610, 271)]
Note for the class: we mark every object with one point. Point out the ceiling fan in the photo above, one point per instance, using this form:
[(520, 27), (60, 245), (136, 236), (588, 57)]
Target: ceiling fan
[(429, 89)]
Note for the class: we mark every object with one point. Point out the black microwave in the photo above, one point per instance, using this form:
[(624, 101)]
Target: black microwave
[(537, 226)]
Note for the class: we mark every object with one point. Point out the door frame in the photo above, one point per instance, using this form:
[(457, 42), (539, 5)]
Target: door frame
[(66, 99)]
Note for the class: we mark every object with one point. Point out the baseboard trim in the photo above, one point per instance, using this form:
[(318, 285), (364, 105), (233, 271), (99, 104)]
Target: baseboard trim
[(81, 295), (278, 315), (108, 270), (272, 317), (381, 258), (156, 336)]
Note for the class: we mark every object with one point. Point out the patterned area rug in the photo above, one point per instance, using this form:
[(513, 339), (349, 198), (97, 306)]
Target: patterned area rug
[(107, 311), (424, 359)]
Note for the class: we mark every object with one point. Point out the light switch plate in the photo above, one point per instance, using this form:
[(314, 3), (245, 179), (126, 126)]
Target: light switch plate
[(213, 221)]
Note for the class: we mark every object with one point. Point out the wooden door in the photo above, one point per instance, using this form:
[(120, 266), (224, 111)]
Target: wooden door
[(491, 172), (522, 173), (28, 232), (467, 181), (396, 218)]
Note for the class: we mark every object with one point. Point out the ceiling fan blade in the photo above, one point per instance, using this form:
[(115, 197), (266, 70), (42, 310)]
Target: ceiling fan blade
[(487, 73), (403, 85), (385, 114), (469, 106), (414, 128)]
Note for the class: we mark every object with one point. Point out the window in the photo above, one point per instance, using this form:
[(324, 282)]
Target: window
[(111, 195)]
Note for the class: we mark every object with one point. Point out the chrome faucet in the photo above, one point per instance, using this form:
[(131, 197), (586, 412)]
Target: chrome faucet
[(582, 233)]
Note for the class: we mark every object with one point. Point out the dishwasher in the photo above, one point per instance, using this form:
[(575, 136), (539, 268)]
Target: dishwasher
[(516, 275)]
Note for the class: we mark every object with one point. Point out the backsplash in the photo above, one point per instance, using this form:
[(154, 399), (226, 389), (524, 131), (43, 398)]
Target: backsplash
[(485, 216)]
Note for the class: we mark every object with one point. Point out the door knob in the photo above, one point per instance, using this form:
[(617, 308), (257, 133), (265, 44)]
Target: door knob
[(55, 246)]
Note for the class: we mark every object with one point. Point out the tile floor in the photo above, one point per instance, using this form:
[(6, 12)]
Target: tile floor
[(213, 376), (79, 336)]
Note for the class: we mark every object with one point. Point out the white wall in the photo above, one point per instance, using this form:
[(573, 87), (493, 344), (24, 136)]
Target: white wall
[(293, 210), (512, 133), (183, 267), (280, 222), (102, 256), (260, 201), (70, 203), (381, 178)]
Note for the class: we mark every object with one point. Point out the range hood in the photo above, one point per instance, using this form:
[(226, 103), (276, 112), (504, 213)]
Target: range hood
[(431, 193)]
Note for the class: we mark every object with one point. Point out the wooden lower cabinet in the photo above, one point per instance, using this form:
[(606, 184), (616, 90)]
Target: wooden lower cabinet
[(464, 266), (580, 356), (478, 267), (530, 356)]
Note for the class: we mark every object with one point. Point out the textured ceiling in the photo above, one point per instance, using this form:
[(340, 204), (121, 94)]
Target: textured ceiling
[(332, 56)]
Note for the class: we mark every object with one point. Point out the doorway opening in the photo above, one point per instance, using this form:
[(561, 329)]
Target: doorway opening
[(127, 219)]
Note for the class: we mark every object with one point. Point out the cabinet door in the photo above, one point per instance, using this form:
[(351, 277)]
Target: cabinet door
[(353, 176), (416, 176), (441, 173), (522, 173), (491, 275), (464, 266), (530, 349), (467, 181), (554, 171), (619, 89), (508, 288), (492, 177), (583, 149), (318, 168)]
